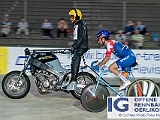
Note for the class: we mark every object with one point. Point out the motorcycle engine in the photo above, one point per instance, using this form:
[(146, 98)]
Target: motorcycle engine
[(47, 80)]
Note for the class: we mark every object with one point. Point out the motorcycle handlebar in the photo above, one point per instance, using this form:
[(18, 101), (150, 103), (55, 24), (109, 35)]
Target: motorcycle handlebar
[(27, 51), (63, 51)]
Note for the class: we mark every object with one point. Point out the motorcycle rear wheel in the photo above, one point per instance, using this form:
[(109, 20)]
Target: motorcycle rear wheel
[(14, 88), (83, 79)]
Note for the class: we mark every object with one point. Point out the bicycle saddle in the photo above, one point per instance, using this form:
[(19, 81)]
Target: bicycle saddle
[(129, 68), (133, 65)]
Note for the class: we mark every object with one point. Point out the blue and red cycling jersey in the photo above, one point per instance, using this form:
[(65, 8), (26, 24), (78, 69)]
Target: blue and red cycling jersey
[(127, 57)]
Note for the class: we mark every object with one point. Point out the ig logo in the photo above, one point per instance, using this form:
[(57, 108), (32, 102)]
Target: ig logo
[(119, 104)]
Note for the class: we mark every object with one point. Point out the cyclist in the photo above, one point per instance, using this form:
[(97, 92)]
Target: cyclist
[(80, 45), (125, 55)]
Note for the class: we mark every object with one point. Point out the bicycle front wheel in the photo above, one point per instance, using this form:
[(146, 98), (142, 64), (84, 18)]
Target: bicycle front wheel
[(97, 102), (143, 88)]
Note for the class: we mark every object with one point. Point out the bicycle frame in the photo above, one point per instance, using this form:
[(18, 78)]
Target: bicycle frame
[(94, 96), (101, 80)]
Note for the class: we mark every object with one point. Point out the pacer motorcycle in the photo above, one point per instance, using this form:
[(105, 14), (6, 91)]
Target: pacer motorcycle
[(49, 74)]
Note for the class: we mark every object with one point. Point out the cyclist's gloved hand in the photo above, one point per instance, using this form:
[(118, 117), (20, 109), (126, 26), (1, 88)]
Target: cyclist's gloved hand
[(94, 65), (96, 68), (71, 48)]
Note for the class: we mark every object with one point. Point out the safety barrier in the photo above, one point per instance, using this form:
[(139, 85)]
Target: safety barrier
[(11, 58)]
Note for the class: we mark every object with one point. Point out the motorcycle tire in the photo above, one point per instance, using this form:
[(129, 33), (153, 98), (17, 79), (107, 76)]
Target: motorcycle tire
[(83, 79), (15, 89)]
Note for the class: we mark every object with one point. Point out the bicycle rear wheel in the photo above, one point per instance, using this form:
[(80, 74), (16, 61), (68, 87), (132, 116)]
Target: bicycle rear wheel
[(94, 103), (143, 87)]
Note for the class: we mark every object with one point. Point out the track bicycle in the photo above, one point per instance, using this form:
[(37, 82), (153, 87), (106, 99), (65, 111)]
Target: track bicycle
[(94, 95)]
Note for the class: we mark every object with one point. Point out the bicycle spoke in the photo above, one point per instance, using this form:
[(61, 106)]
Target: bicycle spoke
[(146, 88)]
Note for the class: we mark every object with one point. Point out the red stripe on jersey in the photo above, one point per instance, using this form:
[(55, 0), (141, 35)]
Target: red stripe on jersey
[(109, 48)]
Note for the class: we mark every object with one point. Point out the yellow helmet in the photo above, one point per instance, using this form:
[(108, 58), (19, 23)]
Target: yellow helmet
[(76, 13)]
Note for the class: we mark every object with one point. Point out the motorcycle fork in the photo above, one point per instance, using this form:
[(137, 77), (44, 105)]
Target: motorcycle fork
[(24, 69)]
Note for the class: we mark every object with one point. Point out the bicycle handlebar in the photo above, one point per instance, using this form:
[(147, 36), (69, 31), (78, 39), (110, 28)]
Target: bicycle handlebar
[(92, 64)]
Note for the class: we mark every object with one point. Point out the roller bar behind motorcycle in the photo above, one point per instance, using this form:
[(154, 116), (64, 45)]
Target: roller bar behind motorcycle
[(49, 75)]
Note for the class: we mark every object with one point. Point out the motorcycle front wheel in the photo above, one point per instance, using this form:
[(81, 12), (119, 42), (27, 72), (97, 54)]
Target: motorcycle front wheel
[(15, 86), (83, 79)]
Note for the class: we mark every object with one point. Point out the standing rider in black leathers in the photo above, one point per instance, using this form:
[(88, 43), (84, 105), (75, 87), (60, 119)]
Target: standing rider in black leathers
[(80, 45)]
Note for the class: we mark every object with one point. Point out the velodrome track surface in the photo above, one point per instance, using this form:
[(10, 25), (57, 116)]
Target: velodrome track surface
[(55, 106)]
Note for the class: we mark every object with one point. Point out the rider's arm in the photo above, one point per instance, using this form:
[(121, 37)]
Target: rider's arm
[(110, 45), (103, 61)]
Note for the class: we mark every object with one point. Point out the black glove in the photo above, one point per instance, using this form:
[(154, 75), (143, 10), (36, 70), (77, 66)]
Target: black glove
[(71, 49)]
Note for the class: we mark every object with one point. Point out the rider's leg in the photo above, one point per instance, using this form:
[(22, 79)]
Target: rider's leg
[(126, 61), (75, 68), (114, 69)]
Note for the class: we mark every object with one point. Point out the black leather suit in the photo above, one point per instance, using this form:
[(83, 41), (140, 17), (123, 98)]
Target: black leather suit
[(81, 45)]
